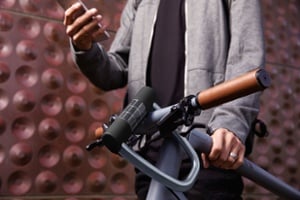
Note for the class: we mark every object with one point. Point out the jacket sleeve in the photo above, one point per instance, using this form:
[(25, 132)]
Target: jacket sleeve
[(246, 52), (109, 70)]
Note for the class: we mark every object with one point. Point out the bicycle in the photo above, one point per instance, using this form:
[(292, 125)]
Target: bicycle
[(139, 118)]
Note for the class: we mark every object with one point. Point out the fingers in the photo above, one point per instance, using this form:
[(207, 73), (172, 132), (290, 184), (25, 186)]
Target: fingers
[(83, 38), (86, 22), (204, 160), (72, 13), (82, 26), (235, 157), (227, 150)]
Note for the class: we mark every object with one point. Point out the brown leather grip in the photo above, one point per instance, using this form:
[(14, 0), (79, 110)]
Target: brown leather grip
[(243, 85), (99, 132)]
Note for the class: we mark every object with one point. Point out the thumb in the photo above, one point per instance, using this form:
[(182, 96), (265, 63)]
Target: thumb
[(205, 160)]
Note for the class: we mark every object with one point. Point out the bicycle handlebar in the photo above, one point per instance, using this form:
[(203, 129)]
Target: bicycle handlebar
[(202, 143), (246, 84), (243, 85)]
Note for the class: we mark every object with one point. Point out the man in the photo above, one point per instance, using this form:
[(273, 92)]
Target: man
[(180, 47)]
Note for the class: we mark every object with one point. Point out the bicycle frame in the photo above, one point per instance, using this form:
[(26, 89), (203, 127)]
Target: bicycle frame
[(201, 142)]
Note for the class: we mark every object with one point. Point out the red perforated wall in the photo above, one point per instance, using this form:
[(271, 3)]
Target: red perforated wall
[(48, 110)]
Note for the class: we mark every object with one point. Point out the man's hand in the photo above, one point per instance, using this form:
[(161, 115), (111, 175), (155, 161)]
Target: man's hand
[(83, 26), (227, 150)]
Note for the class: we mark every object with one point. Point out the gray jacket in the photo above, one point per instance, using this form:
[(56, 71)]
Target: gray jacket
[(223, 39)]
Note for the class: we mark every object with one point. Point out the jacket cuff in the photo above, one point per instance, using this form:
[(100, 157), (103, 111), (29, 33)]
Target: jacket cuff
[(84, 55)]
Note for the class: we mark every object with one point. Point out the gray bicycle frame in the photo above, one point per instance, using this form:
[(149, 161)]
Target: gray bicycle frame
[(169, 163)]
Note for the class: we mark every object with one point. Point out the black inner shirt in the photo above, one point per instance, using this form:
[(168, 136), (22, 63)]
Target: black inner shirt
[(167, 57)]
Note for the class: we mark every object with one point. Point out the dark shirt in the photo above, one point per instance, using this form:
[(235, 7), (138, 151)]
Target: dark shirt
[(166, 75), (167, 57)]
